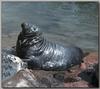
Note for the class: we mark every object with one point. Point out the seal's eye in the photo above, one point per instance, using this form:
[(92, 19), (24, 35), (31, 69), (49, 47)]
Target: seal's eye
[(34, 29), (29, 29)]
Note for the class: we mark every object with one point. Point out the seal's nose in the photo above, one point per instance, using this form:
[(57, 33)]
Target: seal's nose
[(23, 25)]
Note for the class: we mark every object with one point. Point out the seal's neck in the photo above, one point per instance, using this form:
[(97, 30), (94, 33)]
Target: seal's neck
[(31, 39)]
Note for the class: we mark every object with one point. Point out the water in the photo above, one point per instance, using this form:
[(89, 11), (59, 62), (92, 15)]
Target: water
[(68, 23)]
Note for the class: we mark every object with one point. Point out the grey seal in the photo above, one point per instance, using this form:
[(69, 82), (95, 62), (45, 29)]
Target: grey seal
[(11, 64), (42, 54)]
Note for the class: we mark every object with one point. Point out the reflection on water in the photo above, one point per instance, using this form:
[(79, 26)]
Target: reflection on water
[(65, 22)]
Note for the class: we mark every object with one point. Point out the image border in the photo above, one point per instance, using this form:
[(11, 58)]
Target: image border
[(47, 1)]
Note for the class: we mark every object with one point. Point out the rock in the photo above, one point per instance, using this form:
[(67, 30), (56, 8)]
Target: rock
[(59, 76), (95, 78), (47, 78), (91, 59), (96, 67), (92, 70), (9, 50), (81, 84), (88, 76), (32, 78), (23, 78)]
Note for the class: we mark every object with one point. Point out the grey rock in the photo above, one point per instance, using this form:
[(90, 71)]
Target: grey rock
[(23, 78)]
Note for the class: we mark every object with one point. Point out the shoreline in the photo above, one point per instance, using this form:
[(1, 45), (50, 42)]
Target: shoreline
[(11, 39)]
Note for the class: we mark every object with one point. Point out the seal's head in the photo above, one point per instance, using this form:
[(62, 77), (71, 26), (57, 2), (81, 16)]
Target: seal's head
[(28, 29)]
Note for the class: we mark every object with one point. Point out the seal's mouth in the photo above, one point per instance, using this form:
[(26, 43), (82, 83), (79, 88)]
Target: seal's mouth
[(29, 29)]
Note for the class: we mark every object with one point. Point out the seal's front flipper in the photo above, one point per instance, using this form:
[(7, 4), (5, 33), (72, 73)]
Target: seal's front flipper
[(82, 66)]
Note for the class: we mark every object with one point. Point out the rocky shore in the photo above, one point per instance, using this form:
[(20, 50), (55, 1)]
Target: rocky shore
[(86, 75)]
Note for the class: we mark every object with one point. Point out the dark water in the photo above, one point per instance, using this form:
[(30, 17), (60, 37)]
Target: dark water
[(65, 22)]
